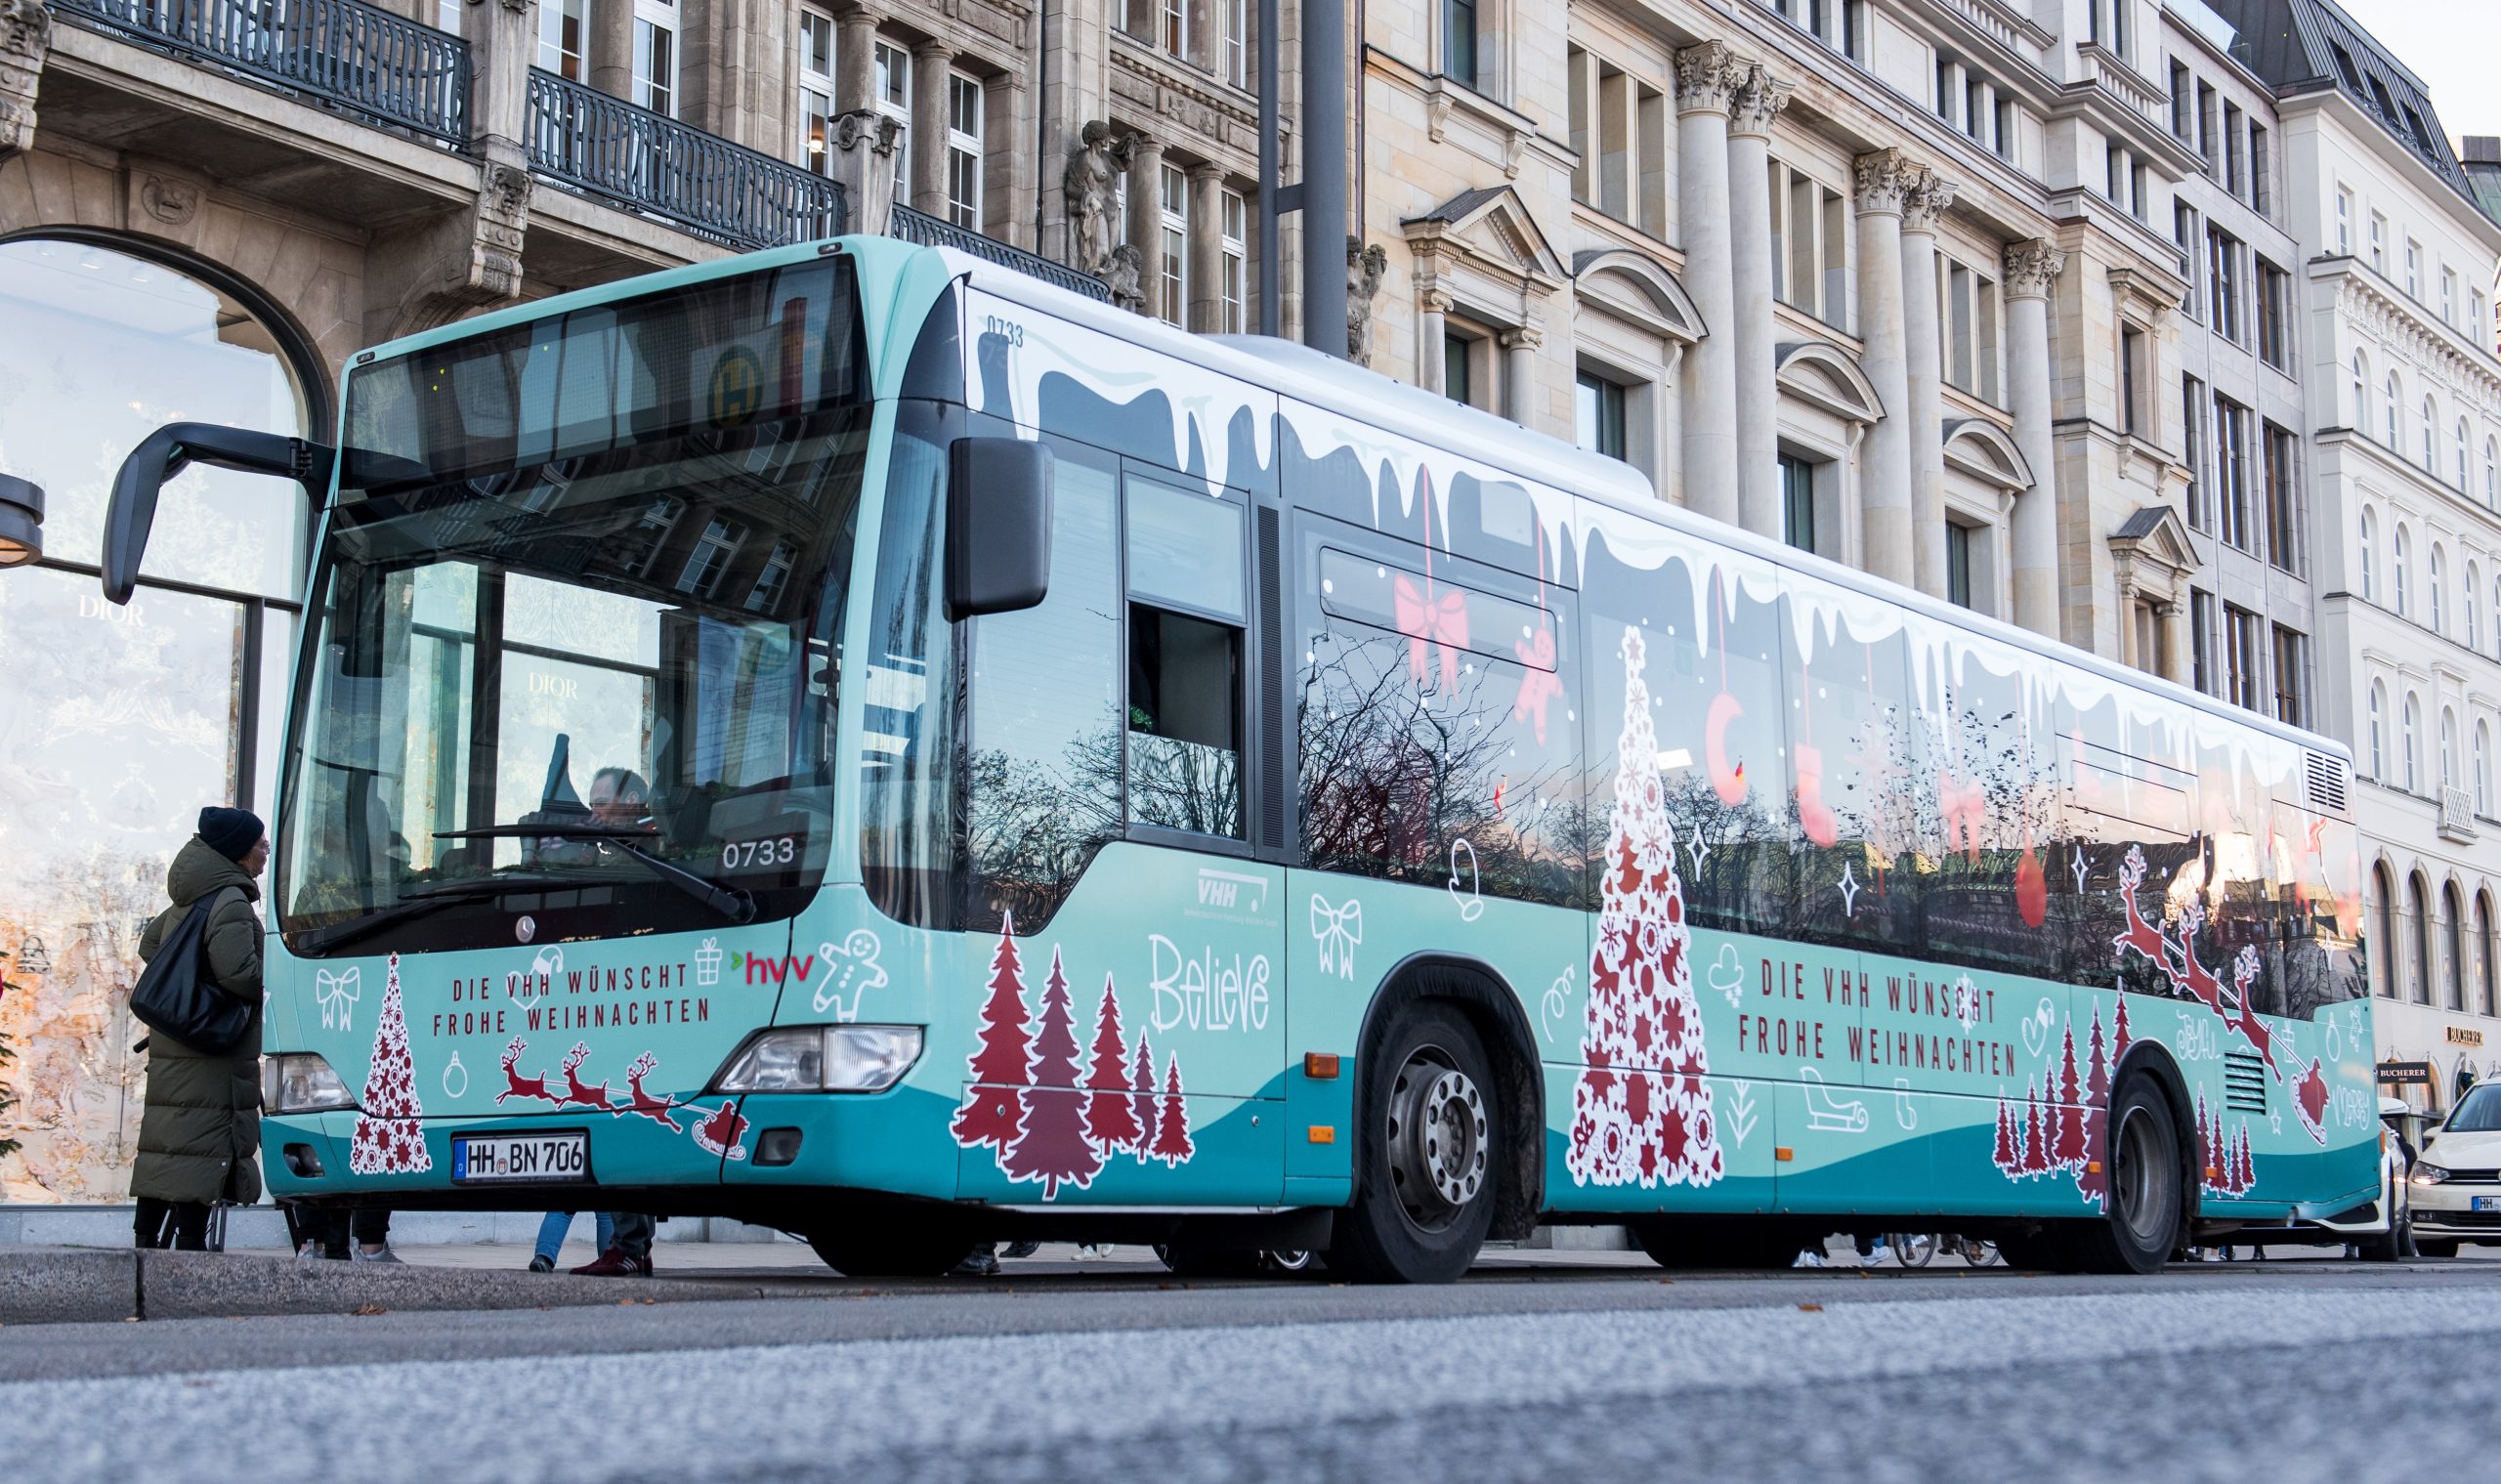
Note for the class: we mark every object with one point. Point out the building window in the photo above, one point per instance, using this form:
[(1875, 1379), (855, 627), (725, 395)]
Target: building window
[(2491, 474), (2283, 500), (655, 56), (2379, 244), (2456, 935), (1236, 260), (2201, 641), (963, 150), (2448, 296), (2461, 455), (2131, 380), (2409, 733), (2224, 256), (2292, 670), (2413, 270), (2474, 607), (2361, 395), (559, 38), (2385, 889), (2419, 901), (1235, 60), (1970, 302), (2262, 188), (2448, 749), (2434, 589), (1797, 502), (1174, 32), (2401, 556), (2192, 438), (1175, 247), (2242, 657), (2370, 557), (2344, 222), (1598, 406), (714, 550), (1811, 237), (1458, 41), (815, 91), (2180, 99), (2483, 936), (2483, 768), (1458, 359), (2232, 471), (2274, 316), (2379, 731), (1958, 564), (893, 83), (2396, 391)]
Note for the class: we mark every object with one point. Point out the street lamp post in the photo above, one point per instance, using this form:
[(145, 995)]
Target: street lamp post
[(20, 521)]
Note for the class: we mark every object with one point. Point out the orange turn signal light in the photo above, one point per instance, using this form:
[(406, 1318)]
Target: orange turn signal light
[(1323, 1133), (1783, 1151), (1320, 1066), (2092, 1166)]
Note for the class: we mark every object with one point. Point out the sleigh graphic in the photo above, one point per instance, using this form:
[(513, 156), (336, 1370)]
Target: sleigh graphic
[(1826, 1112)]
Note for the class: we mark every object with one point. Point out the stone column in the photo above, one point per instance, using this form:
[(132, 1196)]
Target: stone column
[(1519, 374), (855, 57), (927, 191), (1146, 220), (1206, 311), (1433, 324), (1707, 76), (610, 47), (1924, 360), (1885, 179), (2031, 268), (1756, 101)]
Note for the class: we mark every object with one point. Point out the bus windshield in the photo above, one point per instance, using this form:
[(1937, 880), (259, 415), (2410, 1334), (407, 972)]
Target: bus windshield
[(579, 618)]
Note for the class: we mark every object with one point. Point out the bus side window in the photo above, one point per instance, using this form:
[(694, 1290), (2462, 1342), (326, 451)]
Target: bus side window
[(1187, 590), (906, 734)]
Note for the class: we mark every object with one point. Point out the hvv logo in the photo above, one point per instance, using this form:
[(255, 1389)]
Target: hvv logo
[(1231, 894), (760, 969)]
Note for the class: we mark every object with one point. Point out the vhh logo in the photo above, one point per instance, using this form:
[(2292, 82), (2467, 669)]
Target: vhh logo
[(763, 970), (1230, 891)]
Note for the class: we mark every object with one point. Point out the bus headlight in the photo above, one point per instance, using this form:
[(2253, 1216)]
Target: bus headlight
[(300, 1082), (822, 1059)]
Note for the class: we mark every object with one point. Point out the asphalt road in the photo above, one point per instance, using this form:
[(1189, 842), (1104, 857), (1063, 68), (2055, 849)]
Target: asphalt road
[(2281, 1372)]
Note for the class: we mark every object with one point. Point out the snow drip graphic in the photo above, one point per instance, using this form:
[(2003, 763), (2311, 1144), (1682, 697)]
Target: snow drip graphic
[(1029, 1102), (1630, 1122), (388, 1139)]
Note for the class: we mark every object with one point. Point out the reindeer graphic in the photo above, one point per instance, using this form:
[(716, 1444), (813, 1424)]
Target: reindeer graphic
[(2193, 976), (2245, 1020), (2140, 936), (577, 1092), (644, 1104), (518, 1085)]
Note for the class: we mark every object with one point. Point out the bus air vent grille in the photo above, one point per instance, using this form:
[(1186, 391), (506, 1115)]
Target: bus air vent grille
[(1274, 779), (2326, 783), (2245, 1083)]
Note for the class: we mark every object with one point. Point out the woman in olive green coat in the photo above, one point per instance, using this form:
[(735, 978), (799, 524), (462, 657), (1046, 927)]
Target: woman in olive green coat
[(202, 1125)]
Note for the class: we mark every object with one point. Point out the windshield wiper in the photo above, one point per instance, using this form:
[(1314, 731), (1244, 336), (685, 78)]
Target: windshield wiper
[(417, 902), (729, 901)]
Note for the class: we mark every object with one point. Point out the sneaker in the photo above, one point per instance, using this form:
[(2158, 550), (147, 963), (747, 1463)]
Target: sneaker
[(541, 1262), (614, 1263), (383, 1256), (1875, 1254), (308, 1251), (978, 1265), (1808, 1259), (1020, 1250)]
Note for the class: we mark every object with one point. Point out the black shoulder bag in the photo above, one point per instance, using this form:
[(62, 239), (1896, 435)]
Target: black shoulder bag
[(178, 997)]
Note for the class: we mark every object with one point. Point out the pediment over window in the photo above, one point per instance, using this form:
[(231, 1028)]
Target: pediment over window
[(1824, 375), (1488, 229), (1639, 287), (1987, 452), (2154, 536)]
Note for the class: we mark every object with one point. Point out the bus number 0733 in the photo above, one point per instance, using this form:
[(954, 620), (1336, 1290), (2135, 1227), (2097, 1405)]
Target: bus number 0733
[(744, 855)]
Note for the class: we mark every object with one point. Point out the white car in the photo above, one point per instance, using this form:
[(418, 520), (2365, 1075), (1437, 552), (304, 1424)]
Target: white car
[(2456, 1186)]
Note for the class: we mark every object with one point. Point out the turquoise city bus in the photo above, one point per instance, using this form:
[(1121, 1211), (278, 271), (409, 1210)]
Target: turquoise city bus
[(862, 741)]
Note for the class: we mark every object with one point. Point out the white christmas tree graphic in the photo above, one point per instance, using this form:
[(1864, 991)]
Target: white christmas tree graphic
[(1641, 1112), (389, 1140)]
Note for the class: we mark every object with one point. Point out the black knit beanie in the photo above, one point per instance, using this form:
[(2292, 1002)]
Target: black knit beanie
[(231, 833)]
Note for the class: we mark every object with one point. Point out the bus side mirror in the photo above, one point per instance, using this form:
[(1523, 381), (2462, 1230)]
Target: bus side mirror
[(999, 526), (176, 446)]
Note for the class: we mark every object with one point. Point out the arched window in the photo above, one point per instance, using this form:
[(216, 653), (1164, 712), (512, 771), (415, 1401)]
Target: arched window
[(2474, 615), (2431, 417), (2379, 731), (2362, 393), (2384, 932), (2401, 556), (2410, 737), (2439, 581), (2482, 767), (2492, 474), (2486, 946), (2418, 901), (2370, 558), (2396, 390), (2448, 747), (2462, 483), (2455, 941)]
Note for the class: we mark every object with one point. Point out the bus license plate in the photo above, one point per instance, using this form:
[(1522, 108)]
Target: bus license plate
[(544, 1157)]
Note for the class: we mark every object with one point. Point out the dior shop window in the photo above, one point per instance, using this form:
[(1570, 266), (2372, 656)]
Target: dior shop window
[(121, 722)]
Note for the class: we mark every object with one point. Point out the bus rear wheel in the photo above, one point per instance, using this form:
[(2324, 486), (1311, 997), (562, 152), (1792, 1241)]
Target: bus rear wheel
[(2147, 1206), (1428, 1155), (899, 1251)]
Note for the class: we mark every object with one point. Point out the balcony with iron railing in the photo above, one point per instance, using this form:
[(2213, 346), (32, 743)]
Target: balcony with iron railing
[(928, 231)]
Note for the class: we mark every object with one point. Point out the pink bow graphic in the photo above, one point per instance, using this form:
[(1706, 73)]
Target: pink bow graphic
[(1964, 809), (1427, 621), (1541, 684)]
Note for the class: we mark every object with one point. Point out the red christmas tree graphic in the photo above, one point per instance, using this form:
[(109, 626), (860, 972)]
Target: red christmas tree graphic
[(2248, 1165), (2096, 1079), (1641, 1015), (2006, 1157), (1053, 1146), (2209, 1171), (2036, 1134), (1109, 1114), (2090, 1182), (998, 1056), (2068, 1152), (389, 1139), (1172, 1144), (2119, 1034), (1142, 1099)]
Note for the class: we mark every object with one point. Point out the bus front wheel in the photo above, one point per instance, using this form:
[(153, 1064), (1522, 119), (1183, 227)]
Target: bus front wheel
[(899, 1250), (1427, 1157)]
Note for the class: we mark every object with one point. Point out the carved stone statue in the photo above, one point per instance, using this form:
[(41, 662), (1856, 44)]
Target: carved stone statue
[(25, 37), (1364, 268), (1092, 170), (1124, 273)]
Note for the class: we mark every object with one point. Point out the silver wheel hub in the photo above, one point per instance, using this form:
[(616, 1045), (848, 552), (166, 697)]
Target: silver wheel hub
[(1438, 1136)]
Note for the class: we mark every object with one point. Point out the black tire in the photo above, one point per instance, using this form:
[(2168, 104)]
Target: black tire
[(2436, 1246), (1428, 1153), (2389, 1246), (889, 1251), (2146, 1213), (1287, 1259), (1716, 1245)]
